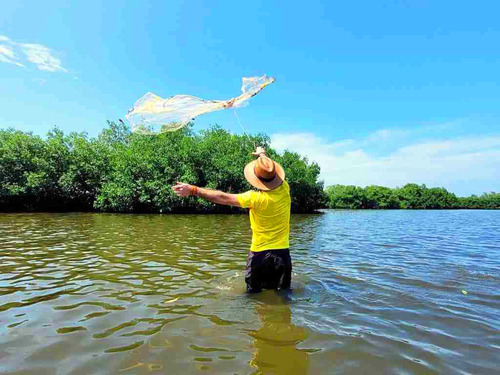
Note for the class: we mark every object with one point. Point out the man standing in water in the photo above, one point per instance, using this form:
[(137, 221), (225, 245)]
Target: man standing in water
[(269, 265)]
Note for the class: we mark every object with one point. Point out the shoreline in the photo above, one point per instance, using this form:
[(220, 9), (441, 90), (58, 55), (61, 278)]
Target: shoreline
[(317, 212)]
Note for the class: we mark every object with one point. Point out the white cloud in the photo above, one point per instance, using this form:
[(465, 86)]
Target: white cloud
[(462, 165), (7, 55), (42, 57), (22, 53)]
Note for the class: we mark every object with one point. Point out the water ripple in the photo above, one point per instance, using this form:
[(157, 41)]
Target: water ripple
[(373, 291)]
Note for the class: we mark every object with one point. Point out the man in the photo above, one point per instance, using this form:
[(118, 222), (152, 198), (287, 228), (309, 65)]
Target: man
[(268, 264)]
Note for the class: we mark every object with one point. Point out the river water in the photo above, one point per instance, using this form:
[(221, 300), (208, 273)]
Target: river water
[(375, 292)]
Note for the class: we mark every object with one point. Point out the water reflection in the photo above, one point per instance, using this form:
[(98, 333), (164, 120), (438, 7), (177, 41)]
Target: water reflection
[(373, 292), (275, 342)]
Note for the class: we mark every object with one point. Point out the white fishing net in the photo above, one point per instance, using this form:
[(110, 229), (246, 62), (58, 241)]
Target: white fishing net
[(152, 114)]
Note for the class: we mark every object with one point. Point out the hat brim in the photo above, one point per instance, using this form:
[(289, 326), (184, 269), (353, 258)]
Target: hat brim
[(264, 185)]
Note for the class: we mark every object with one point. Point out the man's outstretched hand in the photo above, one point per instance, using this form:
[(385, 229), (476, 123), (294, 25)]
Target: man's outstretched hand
[(183, 190), (214, 196)]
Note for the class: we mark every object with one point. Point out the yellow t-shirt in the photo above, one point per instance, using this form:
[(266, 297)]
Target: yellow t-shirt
[(269, 217)]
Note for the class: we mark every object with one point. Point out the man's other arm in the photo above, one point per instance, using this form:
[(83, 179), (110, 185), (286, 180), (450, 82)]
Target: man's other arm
[(214, 196)]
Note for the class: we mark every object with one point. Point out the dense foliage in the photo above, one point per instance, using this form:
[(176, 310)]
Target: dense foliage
[(411, 196), (123, 172)]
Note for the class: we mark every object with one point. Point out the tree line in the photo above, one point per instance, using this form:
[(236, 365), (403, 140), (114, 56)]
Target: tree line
[(410, 196), (119, 171)]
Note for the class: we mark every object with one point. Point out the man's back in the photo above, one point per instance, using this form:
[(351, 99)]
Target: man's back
[(269, 217)]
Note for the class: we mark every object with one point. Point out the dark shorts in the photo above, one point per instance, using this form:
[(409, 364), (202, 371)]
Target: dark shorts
[(268, 269)]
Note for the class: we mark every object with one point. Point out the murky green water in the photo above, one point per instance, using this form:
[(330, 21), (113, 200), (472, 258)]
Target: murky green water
[(374, 292)]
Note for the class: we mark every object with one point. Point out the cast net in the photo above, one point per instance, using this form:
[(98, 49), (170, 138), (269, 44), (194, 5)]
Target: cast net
[(152, 114)]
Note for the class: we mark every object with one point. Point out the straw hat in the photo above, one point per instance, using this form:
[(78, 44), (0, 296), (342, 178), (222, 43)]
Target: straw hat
[(264, 173)]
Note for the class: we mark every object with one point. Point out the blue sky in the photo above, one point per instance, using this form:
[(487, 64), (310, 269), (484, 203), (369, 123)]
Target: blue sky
[(377, 92)]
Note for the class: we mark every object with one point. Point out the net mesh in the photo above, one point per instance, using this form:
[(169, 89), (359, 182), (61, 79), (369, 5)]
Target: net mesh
[(152, 114)]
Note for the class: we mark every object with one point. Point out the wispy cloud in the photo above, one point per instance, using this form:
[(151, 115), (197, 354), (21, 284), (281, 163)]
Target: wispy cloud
[(21, 54), (42, 57), (8, 56), (464, 165)]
